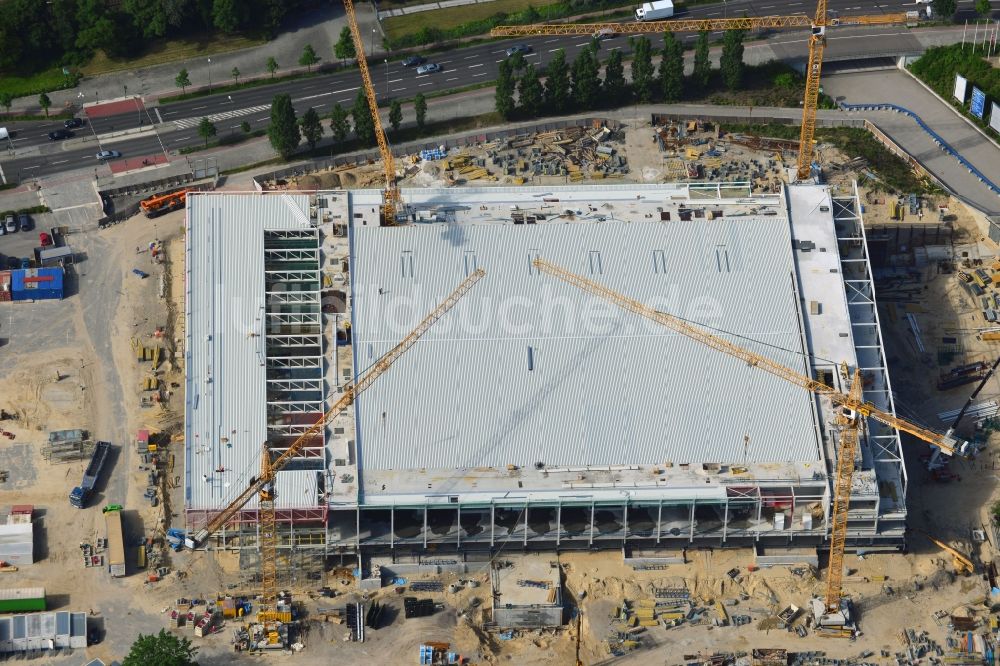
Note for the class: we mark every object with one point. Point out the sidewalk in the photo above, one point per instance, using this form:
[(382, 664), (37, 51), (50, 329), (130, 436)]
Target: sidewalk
[(320, 27)]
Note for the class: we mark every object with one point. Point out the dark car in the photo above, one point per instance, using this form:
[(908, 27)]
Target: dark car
[(519, 48), (13, 263), (414, 60), (60, 134), (73, 123), (25, 262), (24, 221)]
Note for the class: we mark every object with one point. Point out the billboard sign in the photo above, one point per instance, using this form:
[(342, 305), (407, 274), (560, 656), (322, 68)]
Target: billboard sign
[(960, 83), (978, 105), (995, 116)]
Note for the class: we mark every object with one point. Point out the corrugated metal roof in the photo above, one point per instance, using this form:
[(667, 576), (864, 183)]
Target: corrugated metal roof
[(23, 593), (226, 398), (527, 369)]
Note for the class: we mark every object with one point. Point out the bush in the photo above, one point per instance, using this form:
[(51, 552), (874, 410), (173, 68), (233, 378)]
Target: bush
[(939, 64)]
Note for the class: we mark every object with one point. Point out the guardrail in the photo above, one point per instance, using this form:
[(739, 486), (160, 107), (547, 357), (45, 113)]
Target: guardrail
[(935, 137)]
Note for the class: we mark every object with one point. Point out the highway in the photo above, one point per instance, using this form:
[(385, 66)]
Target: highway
[(170, 127)]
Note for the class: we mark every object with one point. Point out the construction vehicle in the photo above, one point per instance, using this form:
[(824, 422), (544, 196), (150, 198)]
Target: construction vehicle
[(80, 494), (817, 42), (160, 204), (116, 541), (263, 486), (963, 565), (392, 199), (833, 611)]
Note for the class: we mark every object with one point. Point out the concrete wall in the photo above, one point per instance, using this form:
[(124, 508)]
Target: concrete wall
[(527, 617)]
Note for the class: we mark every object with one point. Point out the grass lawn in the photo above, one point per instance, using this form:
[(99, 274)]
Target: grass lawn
[(22, 86), (162, 51), (450, 17)]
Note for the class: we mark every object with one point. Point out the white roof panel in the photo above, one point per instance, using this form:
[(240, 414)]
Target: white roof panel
[(528, 369)]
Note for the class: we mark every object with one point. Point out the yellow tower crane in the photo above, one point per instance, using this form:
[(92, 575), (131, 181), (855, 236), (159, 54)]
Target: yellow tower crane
[(852, 405), (392, 199), (263, 486), (817, 41)]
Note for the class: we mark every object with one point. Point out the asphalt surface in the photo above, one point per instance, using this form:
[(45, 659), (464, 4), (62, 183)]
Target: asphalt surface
[(166, 128)]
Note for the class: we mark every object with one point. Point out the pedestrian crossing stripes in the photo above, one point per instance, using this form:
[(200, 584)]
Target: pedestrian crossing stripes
[(184, 123)]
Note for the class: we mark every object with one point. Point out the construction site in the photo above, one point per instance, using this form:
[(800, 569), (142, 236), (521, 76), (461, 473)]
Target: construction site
[(626, 389)]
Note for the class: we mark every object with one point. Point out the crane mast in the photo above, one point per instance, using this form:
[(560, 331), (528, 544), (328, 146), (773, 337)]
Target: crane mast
[(817, 43), (392, 198), (853, 404), (263, 486)]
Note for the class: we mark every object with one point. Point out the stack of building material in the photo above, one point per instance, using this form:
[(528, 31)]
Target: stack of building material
[(67, 446)]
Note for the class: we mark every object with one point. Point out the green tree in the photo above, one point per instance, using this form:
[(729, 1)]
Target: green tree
[(364, 126), (312, 128), (308, 57), (945, 8), (339, 125), (504, 92), (731, 61), (271, 66), (182, 80), (163, 649), (642, 68), (615, 88), (45, 103), (395, 114), (702, 74), (784, 80), (672, 69), (225, 15), (557, 87), (344, 48), (6, 100), (149, 18), (283, 131), (420, 110), (235, 73), (245, 127), (983, 8), (586, 83), (529, 92), (206, 130)]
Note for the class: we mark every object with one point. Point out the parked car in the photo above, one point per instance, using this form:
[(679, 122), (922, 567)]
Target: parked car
[(24, 221), (10, 224), (108, 155), (25, 262), (73, 123), (58, 135), (44, 239), (13, 263), (429, 68), (519, 48), (414, 60)]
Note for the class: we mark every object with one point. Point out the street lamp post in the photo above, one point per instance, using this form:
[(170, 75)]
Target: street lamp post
[(371, 49), (387, 78), (210, 74)]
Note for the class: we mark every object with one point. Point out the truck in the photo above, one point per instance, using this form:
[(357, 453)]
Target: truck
[(80, 494), (116, 542), (654, 11)]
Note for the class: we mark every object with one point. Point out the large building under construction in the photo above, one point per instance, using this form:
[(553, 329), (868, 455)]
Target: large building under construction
[(535, 415)]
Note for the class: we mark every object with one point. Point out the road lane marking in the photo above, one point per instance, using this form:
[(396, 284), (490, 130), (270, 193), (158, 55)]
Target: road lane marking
[(34, 166), (554, 50), (474, 66), (167, 113), (454, 78), (582, 44), (158, 116), (59, 162), (2, 177), (183, 138), (549, 41), (393, 90), (199, 108), (395, 80), (480, 74), (468, 57), (425, 84)]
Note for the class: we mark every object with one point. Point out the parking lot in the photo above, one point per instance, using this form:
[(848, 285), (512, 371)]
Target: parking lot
[(22, 244)]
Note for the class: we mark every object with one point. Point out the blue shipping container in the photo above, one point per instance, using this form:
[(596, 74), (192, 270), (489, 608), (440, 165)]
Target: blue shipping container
[(32, 284)]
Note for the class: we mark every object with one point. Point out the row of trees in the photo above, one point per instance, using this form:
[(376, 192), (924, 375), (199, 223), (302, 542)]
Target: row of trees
[(307, 60), (947, 8), (286, 131), (36, 34), (578, 87)]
